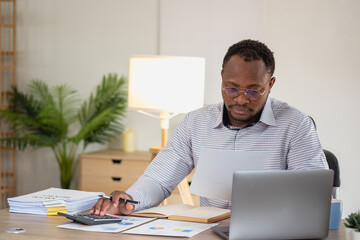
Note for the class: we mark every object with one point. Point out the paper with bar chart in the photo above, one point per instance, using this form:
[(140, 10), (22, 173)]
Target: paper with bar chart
[(162, 227)]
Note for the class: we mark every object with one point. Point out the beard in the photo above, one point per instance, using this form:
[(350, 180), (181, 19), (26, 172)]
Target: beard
[(253, 116)]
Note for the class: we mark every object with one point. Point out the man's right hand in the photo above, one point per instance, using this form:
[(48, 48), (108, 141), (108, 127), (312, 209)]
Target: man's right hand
[(104, 205)]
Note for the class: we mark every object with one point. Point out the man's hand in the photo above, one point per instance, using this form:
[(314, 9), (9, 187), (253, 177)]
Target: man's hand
[(104, 205)]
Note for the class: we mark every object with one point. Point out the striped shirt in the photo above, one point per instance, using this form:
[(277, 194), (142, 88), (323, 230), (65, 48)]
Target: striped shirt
[(286, 134)]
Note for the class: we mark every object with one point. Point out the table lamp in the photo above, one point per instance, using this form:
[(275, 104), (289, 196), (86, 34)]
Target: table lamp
[(166, 86)]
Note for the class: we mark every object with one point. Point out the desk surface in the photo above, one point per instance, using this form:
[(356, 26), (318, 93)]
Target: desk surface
[(44, 227)]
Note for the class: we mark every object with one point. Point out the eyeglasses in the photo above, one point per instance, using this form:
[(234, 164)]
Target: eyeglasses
[(251, 94)]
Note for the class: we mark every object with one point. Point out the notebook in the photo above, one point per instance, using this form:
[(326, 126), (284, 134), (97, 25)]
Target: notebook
[(279, 205), (185, 212)]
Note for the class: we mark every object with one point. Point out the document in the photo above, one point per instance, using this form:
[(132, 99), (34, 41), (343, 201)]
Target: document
[(215, 168), (172, 228), (56, 193), (186, 212), (126, 223), (53, 200)]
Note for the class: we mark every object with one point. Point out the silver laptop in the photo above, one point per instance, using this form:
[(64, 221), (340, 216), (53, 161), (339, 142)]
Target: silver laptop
[(279, 205)]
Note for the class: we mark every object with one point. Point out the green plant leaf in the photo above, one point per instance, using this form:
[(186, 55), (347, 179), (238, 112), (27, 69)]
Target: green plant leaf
[(351, 220), (42, 116), (100, 116)]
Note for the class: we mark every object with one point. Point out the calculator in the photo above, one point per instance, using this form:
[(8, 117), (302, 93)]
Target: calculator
[(91, 219)]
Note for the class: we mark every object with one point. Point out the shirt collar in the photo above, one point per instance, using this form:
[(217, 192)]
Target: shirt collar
[(219, 120), (267, 115)]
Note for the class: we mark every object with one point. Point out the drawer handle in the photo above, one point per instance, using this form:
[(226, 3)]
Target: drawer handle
[(116, 161), (116, 179)]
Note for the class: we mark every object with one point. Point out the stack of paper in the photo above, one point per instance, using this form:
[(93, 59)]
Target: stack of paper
[(53, 200)]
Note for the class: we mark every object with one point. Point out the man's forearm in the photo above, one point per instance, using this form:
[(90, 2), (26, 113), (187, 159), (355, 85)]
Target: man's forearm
[(147, 192)]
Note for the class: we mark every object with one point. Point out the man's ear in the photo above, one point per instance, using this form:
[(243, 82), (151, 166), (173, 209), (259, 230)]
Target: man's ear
[(272, 81)]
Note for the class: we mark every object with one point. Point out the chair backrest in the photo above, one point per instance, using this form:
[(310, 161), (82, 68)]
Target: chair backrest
[(332, 162), (334, 165)]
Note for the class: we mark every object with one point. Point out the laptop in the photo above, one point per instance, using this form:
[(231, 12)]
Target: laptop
[(279, 205)]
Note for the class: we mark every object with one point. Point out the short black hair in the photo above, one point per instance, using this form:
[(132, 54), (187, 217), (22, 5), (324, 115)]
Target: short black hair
[(252, 50)]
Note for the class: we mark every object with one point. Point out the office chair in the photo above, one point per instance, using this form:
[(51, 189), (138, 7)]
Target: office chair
[(334, 165)]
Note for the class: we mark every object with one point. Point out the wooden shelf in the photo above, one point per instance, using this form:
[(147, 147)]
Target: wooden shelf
[(5, 94), (6, 189), (7, 134), (8, 53), (7, 174), (7, 149), (8, 65), (6, 25)]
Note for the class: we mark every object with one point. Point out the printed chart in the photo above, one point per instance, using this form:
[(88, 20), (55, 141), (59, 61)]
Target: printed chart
[(163, 227), (126, 223)]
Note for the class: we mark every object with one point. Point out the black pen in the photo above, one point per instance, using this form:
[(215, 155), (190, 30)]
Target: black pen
[(121, 200)]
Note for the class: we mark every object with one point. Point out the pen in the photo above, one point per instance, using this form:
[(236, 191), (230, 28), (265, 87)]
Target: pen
[(121, 199)]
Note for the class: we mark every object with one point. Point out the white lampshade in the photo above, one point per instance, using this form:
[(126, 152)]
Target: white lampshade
[(166, 83)]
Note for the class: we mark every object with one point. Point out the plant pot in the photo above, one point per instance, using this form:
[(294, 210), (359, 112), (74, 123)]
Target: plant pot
[(349, 233), (356, 234)]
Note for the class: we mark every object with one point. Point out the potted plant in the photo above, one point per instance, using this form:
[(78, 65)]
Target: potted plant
[(352, 225), (42, 118)]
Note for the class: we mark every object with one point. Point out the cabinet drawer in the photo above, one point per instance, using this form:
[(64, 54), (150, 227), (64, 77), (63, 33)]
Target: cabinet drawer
[(105, 184), (110, 167), (107, 175)]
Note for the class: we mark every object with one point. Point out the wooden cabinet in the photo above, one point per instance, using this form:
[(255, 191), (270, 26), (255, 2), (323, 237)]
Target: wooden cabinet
[(109, 170)]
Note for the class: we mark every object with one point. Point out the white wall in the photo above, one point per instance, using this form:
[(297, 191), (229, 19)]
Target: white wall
[(76, 42), (323, 73), (315, 44), (207, 28)]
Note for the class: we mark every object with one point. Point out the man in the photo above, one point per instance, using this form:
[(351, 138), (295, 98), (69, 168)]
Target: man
[(247, 120)]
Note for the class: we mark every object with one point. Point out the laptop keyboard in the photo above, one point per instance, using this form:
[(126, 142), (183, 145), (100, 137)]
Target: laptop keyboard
[(226, 233)]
